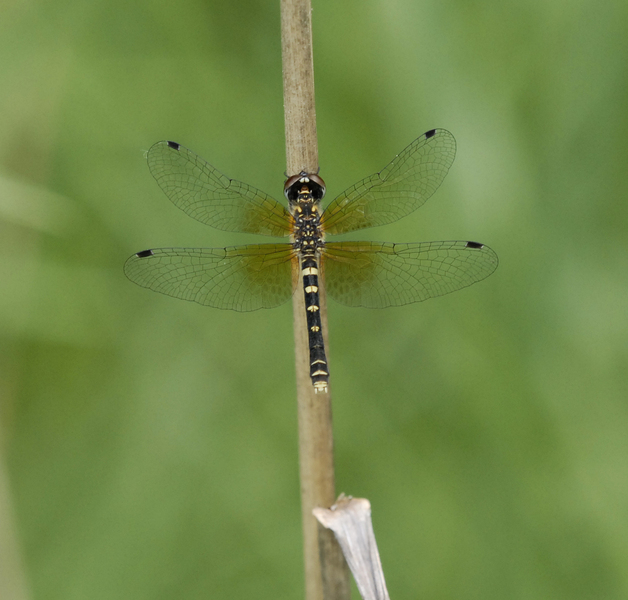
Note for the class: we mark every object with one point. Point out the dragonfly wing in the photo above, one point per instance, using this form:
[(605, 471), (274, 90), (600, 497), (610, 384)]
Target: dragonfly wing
[(212, 198), (377, 275), (241, 278), (396, 191)]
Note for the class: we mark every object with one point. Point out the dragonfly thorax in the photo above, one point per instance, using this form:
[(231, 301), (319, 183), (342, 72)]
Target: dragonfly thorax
[(304, 193)]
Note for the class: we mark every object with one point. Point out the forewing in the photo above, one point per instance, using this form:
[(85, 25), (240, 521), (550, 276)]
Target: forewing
[(396, 191), (241, 278), (207, 195), (377, 275)]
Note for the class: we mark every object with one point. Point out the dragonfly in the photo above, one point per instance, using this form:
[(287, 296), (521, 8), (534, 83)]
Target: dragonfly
[(361, 273)]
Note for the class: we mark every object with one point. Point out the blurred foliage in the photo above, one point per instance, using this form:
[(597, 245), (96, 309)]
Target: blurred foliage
[(151, 443)]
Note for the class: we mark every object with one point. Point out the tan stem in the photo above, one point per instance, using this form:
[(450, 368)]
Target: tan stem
[(326, 573)]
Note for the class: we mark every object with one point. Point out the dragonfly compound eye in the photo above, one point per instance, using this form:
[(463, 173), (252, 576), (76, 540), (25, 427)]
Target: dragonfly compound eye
[(297, 184)]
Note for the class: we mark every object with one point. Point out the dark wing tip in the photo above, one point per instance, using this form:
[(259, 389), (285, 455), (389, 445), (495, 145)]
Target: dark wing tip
[(174, 145), (430, 133), (144, 253), (474, 245)]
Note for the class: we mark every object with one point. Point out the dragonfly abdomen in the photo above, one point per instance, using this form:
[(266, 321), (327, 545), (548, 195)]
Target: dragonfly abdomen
[(319, 372)]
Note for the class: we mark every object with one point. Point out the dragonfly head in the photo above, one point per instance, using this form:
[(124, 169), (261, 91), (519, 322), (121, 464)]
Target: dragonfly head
[(304, 184)]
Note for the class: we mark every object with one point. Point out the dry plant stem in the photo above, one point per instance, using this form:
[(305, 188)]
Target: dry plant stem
[(326, 573), (350, 520), (298, 86)]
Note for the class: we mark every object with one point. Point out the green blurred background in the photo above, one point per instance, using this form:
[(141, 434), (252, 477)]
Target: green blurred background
[(150, 445)]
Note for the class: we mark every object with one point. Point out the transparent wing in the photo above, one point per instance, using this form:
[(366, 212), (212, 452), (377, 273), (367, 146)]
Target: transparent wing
[(404, 185), (212, 198), (377, 275), (241, 278)]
